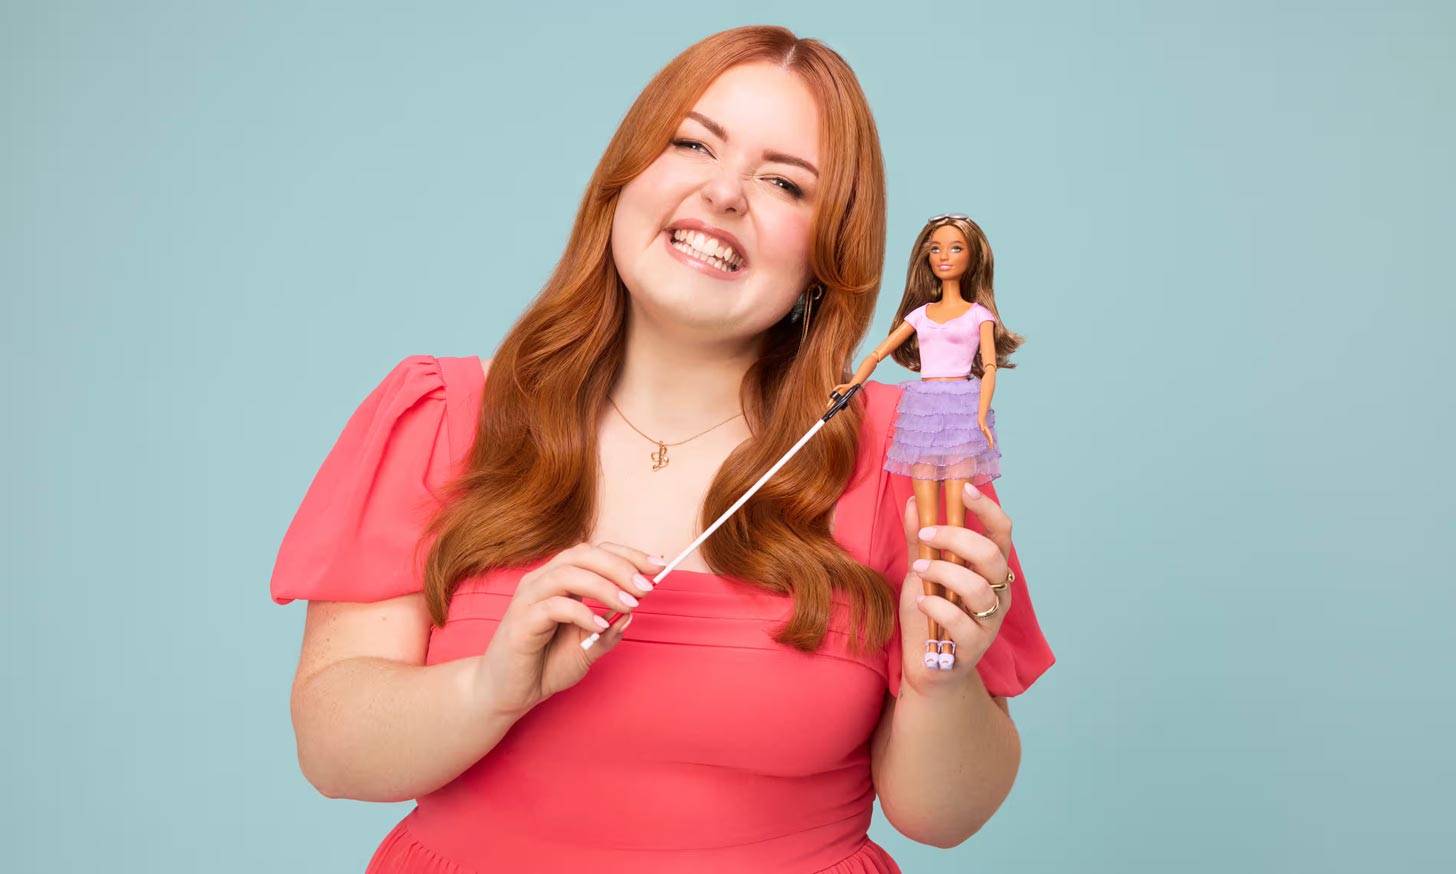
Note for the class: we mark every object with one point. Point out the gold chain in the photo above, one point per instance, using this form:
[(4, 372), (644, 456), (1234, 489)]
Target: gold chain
[(659, 457)]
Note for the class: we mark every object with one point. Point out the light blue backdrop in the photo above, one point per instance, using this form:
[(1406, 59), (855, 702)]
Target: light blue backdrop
[(1224, 229)]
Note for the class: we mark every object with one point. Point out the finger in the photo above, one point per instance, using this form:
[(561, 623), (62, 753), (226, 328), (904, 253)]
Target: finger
[(911, 520), (644, 562), (544, 616), (993, 519), (607, 639), (977, 551), (591, 554), (610, 565), (973, 589), (570, 579), (959, 625)]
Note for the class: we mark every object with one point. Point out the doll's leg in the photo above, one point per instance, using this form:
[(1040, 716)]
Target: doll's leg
[(927, 504), (955, 514)]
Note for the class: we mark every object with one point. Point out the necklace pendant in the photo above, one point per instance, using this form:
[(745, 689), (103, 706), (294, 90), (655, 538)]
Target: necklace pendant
[(659, 458)]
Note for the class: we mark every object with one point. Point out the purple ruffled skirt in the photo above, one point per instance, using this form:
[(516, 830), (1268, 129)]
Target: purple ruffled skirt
[(936, 434)]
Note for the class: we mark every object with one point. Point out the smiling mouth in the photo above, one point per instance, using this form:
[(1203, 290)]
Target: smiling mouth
[(706, 248)]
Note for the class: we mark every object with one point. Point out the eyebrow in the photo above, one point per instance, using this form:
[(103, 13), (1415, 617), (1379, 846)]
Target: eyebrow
[(768, 154)]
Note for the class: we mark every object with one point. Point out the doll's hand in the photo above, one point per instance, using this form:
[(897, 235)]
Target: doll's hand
[(986, 560), (985, 429), (844, 387)]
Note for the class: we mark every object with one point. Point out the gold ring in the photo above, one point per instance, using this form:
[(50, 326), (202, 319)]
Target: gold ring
[(986, 614), (1010, 577)]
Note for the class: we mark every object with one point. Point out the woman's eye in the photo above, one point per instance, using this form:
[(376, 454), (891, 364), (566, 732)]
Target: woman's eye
[(788, 186), (687, 143)]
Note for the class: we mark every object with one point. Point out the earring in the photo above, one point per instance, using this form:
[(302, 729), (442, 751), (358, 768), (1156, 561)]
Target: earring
[(804, 308)]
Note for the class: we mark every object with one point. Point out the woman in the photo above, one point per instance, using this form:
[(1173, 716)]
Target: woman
[(474, 515)]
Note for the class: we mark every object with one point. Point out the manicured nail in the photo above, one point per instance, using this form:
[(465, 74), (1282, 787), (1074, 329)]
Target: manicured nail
[(628, 622), (927, 533), (657, 560), (627, 599), (601, 621), (971, 491), (642, 582), (921, 564)]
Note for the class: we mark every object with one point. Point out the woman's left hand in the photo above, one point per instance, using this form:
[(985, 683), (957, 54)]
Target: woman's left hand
[(986, 558)]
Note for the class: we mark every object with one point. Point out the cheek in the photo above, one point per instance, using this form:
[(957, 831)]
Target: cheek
[(784, 242)]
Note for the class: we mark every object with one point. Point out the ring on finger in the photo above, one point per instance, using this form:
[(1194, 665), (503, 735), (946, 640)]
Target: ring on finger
[(1010, 578), (988, 612)]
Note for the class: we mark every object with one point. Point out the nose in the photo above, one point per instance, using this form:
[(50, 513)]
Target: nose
[(724, 192)]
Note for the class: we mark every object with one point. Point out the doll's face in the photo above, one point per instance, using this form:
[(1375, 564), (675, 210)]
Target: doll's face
[(949, 254), (740, 174)]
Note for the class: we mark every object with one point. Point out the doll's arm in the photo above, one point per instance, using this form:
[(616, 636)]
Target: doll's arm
[(988, 364), (898, 336)]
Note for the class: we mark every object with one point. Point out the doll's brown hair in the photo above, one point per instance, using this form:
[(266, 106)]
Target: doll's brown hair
[(977, 286), (530, 486)]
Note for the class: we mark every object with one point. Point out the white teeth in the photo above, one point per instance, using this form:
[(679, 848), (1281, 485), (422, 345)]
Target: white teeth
[(707, 248)]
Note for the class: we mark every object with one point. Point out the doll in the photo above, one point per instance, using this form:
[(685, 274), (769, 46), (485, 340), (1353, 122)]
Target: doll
[(945, 429)]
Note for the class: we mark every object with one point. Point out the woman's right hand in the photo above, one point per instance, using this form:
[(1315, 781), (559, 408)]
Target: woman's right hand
[(536, 650)]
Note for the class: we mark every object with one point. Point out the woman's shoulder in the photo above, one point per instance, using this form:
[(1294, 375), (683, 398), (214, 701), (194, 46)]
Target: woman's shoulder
[(456, 381)]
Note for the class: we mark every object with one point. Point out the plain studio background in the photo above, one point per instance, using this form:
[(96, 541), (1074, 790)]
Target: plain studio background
[(1223, 229)]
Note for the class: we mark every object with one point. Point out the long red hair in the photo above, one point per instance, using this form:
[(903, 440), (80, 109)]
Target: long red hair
[(529, 489)]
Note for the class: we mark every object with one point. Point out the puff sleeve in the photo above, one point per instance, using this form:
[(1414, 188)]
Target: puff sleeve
[(983, 314), (916, 317), (356, 533), (1019, 654)]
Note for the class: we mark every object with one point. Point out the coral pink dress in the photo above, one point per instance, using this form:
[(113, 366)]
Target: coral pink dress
[(699, 744)]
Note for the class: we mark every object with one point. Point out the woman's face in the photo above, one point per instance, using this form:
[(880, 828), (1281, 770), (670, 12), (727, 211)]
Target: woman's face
[(740, 174), (949, 254)]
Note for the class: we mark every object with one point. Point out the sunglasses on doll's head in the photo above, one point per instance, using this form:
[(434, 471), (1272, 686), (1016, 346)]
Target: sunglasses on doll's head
[(949, 215)]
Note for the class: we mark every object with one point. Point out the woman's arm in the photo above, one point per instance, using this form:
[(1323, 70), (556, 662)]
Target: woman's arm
[(946, 752), (372, 721), (944, 761)]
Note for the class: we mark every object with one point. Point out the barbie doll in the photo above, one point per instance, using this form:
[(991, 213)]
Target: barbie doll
[(945, 429)]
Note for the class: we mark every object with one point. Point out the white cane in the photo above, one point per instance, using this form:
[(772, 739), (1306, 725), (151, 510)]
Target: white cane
[(839, 403)]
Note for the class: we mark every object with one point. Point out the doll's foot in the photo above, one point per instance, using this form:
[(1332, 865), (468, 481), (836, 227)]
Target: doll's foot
[(932, 657), (947, 657)]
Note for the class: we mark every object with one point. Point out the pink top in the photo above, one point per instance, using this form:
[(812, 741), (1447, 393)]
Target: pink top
[(948, 348), (699, 744)]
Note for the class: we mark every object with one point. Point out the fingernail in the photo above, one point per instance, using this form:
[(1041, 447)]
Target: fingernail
[(627, 599), (919, 598), (601, 621), (971, 491), (927, 533), (921, 564), (628, 622), (642, 582), (657, 560)]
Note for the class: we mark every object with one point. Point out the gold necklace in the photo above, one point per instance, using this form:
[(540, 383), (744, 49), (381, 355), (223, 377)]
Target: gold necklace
[(659, 458)]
